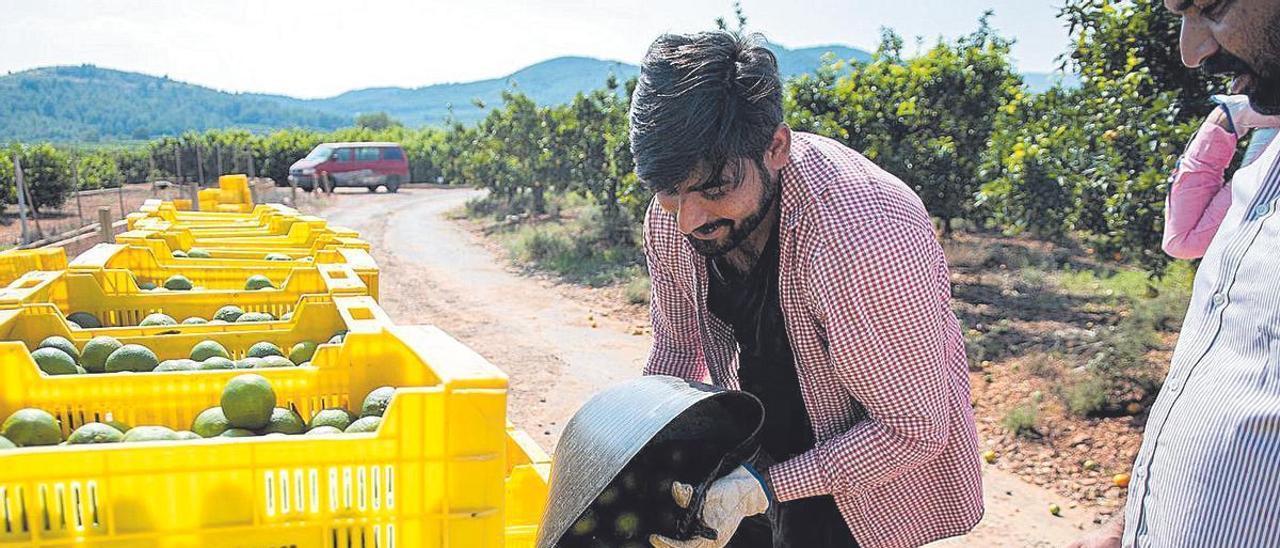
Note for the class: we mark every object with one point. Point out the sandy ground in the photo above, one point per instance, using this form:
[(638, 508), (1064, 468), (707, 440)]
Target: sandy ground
[(434, 271)]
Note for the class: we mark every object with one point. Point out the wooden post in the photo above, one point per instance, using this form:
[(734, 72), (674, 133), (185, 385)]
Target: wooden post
[(177, 163), (21, 189), (199, 167), (104, 225), (75, 177)]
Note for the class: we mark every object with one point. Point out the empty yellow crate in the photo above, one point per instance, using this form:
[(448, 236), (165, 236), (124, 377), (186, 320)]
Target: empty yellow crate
[(339, 278), (16, 262), (433, 475), (528, 473), (149, 255), (50, 297)]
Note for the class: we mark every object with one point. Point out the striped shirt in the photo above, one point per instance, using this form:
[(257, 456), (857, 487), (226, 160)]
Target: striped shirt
[(1208, 473), (866, 300)]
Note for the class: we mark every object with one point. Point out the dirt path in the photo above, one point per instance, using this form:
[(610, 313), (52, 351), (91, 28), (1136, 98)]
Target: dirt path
[(434, 271)]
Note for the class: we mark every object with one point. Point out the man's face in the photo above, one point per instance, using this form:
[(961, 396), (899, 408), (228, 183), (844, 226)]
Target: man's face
[(1239, 38), (717, 212)]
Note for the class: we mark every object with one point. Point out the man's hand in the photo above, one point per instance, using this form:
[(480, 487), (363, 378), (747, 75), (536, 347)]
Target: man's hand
[(1107, 536), (729, 500)]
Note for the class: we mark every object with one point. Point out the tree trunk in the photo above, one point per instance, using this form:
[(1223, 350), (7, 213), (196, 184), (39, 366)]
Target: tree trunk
[(539, 200), (946, 227)]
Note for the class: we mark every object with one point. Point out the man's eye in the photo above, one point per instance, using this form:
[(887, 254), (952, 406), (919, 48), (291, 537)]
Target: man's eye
[(720, 189)]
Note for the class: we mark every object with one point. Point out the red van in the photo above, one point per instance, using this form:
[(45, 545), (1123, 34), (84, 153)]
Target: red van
[(370, 165)]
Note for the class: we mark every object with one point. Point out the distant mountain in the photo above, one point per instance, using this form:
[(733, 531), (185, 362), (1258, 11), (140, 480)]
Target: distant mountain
[(550, 82), (89, 103)]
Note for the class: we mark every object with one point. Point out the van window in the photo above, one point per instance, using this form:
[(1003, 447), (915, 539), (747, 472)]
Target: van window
[(366, 154), (392, 153), (343, 154)]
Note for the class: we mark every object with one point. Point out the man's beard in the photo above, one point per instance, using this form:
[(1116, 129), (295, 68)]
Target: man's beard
[(1261, 83), (739, 232)]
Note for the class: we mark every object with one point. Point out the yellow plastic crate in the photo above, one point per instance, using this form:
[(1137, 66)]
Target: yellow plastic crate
[(184, 241), (232, 195), (16, 262), (65, 293), (528, 473), (274, 226), (433, 475), (340, 278), (167, 211), (150, 255), (302, 234)]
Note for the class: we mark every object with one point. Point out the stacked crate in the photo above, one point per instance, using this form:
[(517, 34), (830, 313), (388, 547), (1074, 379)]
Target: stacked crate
[(444, 469)]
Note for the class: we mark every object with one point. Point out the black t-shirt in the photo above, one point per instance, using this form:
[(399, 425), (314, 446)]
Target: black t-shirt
[(766, 366)]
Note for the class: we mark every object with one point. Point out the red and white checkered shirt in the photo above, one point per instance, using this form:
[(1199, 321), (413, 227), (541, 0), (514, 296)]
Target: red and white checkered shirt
[(865, 295)]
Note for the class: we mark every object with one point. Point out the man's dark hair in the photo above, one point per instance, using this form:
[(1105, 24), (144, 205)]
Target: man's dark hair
[(702, 100)]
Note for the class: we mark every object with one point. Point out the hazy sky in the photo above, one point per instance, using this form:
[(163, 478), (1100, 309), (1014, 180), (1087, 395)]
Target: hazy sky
[(316, 48)]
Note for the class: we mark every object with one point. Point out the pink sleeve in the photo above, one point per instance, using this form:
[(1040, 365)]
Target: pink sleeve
[(1198, 200)]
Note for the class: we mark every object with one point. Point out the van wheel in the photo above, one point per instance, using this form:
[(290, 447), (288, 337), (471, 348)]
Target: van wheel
[(393, 184), (373, 188)]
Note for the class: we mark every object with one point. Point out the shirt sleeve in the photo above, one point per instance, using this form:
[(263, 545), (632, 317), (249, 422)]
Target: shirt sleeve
[(883, 298), (675, 351), (1198, 200)]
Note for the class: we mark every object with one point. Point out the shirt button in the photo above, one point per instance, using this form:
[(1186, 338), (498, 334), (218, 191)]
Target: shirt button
[(1173, 385), (1261, 209), (1218, 299)]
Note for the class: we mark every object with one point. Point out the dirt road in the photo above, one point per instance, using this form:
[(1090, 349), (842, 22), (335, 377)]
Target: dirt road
[(435, 271)]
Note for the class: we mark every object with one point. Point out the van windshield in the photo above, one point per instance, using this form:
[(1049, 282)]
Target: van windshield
[(320, 153)]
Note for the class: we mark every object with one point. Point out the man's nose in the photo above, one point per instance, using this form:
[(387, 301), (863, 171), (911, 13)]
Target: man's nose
[(1196, 42), (690, 215)]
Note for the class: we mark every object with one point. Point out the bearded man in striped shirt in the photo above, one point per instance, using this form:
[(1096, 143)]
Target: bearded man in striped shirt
[(787, 265), (1208, 472)]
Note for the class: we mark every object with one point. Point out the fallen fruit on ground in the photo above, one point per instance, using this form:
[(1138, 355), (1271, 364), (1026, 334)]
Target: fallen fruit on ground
[(1055, 509), (1121, 480), (989, 456)]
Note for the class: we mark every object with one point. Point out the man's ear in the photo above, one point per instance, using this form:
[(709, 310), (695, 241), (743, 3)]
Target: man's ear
[(779, 152)]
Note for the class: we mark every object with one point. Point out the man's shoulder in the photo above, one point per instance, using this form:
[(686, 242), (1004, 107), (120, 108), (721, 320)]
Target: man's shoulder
[(839, 187)]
